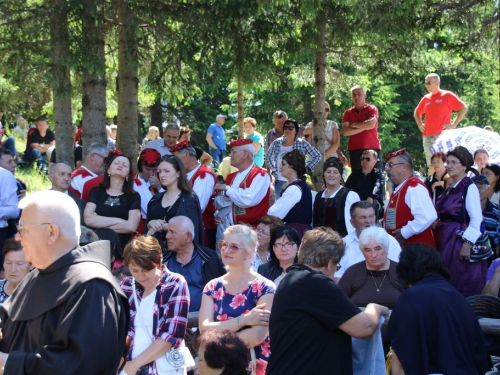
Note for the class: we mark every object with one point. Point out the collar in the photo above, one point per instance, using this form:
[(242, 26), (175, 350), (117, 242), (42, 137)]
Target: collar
[(351, 237), (190, 175), (205, 257), (401, 185)]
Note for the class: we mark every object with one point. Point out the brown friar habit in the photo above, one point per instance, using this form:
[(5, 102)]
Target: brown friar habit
[(70, 318)]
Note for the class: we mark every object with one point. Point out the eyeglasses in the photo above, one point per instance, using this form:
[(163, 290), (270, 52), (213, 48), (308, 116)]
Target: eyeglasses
[(366, 159), (428, 83), (291, 127), (232, 248), (261, 231), (286, 246), (391, 164), (233, 151), (102, 156), (22, 230), (339, 267)]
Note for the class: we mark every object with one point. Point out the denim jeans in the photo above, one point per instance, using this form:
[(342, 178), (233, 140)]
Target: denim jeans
[(34, 154), (217, 154)]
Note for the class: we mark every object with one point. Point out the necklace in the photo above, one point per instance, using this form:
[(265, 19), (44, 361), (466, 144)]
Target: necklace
[(112, 201), (238, 290), (378, 286)]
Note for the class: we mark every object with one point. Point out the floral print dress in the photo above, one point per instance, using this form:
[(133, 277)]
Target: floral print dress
[(229, 306)]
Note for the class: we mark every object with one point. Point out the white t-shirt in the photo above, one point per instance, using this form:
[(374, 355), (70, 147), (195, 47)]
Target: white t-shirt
[(143, 326), (283, 151)]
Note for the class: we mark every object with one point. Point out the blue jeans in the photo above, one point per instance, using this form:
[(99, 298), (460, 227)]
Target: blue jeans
[(278, 185), (10, 144), (34, 154), (217, 154)]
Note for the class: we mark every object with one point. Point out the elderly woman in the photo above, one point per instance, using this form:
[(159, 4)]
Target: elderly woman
[(311, 312), (249, 124), (177, 199), (288, 142), (265, 228), (332, 206), (222, 353), (241, 300), (373, 280), (492, 173), (294, 206), (433, 329), (460, 224), (284, 245), (159, 304), (481, 158), (436, 182), (114, 204), (15, 268)]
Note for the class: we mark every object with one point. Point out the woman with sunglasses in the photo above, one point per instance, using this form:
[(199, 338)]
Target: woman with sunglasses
[(288, 142), (177, 199), (241, 300), (284, 246)]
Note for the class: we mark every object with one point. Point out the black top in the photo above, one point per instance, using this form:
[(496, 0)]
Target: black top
[(35, 137), (431, 180), (78, 154), (158, 212), (307, 310), (329, 212), (371, 185)]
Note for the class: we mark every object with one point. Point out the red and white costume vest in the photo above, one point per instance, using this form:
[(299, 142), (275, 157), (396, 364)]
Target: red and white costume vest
[(78, 179), (398, 214), (249, 215), (208, 215)]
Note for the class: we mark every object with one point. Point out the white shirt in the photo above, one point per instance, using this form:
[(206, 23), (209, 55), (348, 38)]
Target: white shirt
[(145, 193), (159, 145), (78, 182), (250, 196), (421, 207), (144, 326), (282, 206), (473, 207), (352, 197), (203, 187), (8, 197), (353, 253)]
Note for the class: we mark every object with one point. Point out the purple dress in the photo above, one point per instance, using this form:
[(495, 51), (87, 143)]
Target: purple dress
[(229, 306), (467, 277)]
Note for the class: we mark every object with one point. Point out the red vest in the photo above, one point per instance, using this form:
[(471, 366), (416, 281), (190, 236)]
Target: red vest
[(249, 215), (400, 215), (84, 174), (208, 214)]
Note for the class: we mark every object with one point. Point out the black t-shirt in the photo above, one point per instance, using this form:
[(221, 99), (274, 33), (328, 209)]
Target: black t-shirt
[(78, 154), (157, 212), (307, 309), (35, 137)]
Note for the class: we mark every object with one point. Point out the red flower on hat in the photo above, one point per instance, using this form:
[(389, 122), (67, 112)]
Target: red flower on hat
[(116, 153), (240, 142), (150, 157), (395, 153), (180, 146)]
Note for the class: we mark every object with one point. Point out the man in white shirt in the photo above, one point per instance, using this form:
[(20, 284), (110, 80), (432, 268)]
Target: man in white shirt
[(362, 216), (248, 188), (8, 205), (170, 137), (92, 166)]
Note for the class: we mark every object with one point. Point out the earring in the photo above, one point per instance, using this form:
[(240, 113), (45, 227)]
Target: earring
[(109, 174)]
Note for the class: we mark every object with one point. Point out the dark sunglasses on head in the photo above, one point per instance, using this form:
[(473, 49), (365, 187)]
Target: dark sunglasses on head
[(290, 127), (367, 159)]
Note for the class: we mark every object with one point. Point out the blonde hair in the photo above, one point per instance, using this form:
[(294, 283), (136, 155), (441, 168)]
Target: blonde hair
[(251, 120), (247, 236)]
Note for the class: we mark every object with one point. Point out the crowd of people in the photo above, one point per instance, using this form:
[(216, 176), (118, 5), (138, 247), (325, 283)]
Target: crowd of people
[(286, 278)]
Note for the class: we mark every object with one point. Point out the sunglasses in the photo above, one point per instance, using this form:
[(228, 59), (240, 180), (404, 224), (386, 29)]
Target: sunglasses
[(365, 159), (428, 83), (232, 248), (291, 127), (391, 164)]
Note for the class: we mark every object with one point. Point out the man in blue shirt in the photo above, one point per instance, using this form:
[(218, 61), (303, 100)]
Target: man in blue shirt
[(198, 264), (216, 139)]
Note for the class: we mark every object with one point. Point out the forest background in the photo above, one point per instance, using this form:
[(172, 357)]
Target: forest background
[(138, 63)]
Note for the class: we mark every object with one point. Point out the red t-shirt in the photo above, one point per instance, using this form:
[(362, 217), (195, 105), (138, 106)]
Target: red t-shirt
[(437, 109), (367, 138)]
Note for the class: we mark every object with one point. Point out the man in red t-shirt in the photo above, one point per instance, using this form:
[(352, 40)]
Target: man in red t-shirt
[(360, 124), (437, 106)]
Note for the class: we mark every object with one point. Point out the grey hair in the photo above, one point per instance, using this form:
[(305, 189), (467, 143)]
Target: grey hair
[(435, 76), (358, 87), (87, 235), (246, 234), (186, 224), (249, 148), (173, 127), (374, 234), (280, 114), (53, 167), (407, 159), (57, 208), (190, 151), (96, 148)]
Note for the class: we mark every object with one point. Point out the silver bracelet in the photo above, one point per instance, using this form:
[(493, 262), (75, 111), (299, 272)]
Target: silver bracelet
[(238, 322)]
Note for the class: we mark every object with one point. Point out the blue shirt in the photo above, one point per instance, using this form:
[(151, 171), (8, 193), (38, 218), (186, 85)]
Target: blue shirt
[(258, 157), (192, 273), (218, 136)]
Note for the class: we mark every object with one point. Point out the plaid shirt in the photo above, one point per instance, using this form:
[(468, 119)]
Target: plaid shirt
[(300, 144), (170, 310)]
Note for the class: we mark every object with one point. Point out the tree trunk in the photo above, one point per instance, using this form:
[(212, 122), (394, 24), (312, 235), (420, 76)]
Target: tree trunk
[(60, 56), (156, 112), (240, 107), (94, 74), (128, 82), (319, 102)]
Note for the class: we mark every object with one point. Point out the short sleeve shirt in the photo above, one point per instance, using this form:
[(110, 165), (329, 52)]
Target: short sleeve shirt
[(218, 136), (437, 109), (35, 137), (258, 158), (367, 139)]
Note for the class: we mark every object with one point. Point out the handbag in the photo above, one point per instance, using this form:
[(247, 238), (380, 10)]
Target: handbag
[(176, 360)]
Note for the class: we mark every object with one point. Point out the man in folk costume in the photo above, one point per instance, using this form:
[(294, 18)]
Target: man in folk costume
[(92, 166), (248, 188), (146, 182), (202, 180), (410, 212)]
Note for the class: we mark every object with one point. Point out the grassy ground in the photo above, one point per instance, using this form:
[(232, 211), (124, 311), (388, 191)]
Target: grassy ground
[(35, 179)]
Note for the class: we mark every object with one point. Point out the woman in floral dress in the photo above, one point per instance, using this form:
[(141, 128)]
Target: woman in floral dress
[(241, 300)]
